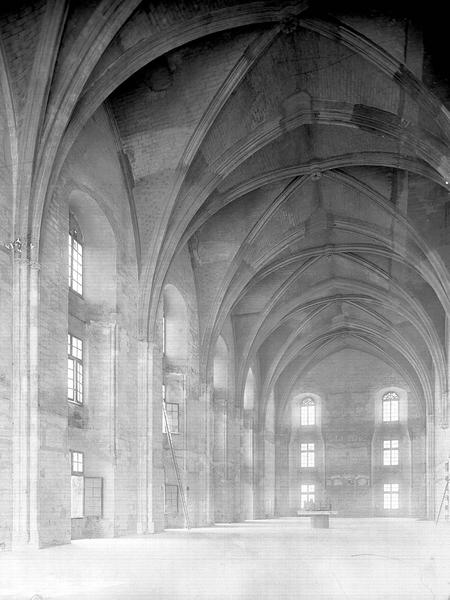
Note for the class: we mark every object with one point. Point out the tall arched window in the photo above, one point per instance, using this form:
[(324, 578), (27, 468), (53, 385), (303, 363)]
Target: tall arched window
[(308, 412), (75, 257), (175, 327), (220, 367), (249, 391), (390, 407), (74, 343), (175, 386)]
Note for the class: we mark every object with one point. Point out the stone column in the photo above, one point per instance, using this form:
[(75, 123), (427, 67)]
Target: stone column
[(282, 473), (269, 473), (101, 433), (247, 465), (149, 420), (234, 462), (430, 464), (102, 337), (219, 454), (25, 400), (207, 399), (258, 470), (446, 392)]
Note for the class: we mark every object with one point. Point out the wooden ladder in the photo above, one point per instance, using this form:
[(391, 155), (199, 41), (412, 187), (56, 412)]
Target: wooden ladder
[(177, 470)]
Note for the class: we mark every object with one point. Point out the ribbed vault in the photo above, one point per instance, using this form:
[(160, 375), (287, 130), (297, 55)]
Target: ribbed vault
[(299, 193), (302, 191)]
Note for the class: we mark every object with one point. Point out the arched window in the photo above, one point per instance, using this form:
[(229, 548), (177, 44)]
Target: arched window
[(220, 368), (174, 349), (174, 327), (390, 407), (308, 412), (249, 391), (164, 332), (75, 257), (92, 253)]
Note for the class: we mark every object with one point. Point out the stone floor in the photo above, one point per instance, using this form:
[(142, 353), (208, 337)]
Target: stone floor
[(276, 559)]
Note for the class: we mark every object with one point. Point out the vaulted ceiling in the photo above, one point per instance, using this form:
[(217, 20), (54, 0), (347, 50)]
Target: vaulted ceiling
[(298, 151), (305, 165)]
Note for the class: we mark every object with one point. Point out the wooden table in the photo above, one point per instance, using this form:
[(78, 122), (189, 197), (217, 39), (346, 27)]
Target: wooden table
[(320, 519)]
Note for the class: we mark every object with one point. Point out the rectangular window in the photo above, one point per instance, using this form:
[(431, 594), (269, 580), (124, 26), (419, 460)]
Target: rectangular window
[(86, 492), (307, 494), (93, 496), (307, 458), (391, 496), (74, 369), (75, 265), (170, 498), (390, 452), (77, 485), (173, 417), (77, 462)]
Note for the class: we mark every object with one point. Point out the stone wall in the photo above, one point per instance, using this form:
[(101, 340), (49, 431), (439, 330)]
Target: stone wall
[(104, 427), (349, 473)]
